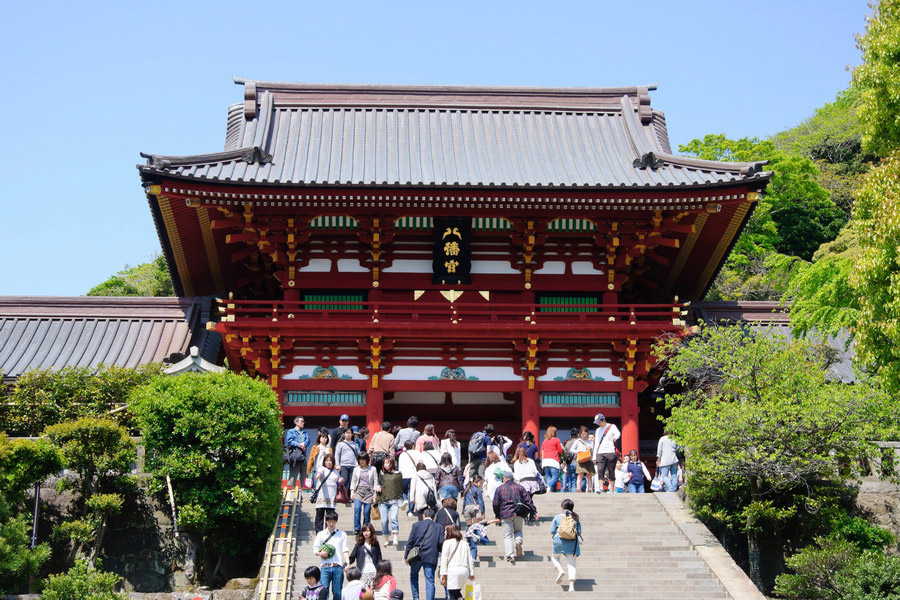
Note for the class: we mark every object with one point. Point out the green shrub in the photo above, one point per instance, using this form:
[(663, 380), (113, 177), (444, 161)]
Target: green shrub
[(41, 398), (100, 453), (836, 569), (22, 464), (82, 582), (863, 534), (18, 562), (218, 436)]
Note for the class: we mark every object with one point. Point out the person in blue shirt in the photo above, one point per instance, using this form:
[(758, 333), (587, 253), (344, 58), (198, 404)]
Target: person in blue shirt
[(296, 446)]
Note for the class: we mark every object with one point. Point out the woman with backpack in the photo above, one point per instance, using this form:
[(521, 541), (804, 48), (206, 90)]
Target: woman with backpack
[(422, 491), (566, 529)]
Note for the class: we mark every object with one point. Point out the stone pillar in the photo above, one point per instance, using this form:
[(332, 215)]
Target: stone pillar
[(630, 437)]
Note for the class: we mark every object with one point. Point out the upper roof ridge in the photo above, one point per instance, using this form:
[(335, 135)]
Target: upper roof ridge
[(323, 95)]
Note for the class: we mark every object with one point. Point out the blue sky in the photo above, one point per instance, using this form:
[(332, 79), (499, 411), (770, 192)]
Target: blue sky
[(87, 86)]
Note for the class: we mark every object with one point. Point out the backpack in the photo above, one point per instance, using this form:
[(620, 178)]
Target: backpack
[(476, 443), (567, 528)]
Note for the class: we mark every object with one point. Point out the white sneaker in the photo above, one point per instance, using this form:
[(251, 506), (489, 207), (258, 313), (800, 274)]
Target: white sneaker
[(396, 543), (560, 576)]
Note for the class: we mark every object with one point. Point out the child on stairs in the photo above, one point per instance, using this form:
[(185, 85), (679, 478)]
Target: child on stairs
[(476, 532)]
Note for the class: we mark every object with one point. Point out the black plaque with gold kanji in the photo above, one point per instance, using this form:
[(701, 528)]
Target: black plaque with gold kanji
[(452, 252)]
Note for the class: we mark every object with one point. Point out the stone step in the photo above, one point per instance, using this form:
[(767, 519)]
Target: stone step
[(625, 535)]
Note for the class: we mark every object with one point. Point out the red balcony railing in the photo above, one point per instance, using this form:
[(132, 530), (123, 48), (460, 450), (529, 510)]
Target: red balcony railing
[(423, 313)]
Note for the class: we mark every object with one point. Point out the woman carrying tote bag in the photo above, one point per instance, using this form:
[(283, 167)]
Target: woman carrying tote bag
[(456, 563)]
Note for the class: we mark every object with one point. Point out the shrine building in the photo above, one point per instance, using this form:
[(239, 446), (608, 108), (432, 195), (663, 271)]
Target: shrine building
[(464, 254)]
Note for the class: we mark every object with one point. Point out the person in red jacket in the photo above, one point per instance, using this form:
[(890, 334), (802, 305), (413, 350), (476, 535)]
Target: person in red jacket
[(551, 451)]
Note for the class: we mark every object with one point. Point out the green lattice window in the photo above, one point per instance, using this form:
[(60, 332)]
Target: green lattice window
[(579, 399), (325, 398), (570, 300), (327, 300)]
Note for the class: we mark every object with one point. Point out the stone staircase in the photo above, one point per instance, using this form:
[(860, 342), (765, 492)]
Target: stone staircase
[(632, 550)]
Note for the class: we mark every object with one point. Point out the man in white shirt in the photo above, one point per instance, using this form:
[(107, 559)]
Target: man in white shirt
[(605, 438), (332, 563), (667, 462)]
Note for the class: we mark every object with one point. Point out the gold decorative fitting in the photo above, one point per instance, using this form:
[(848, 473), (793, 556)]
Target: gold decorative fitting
[(291, 283), (374, 284), (154, 189), (291, 316), (486, 295), (527, 286), (611, 286), (612, 318), (418, 294)]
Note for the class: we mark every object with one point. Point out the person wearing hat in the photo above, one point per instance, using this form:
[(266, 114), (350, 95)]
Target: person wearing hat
[(331, 548), (337, 434), (604, 452), (507, 498)]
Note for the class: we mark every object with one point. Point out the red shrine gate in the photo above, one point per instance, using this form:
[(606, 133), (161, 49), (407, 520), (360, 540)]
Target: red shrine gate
[(468, 255)]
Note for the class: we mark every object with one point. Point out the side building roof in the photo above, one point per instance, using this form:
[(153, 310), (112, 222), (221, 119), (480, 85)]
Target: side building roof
[(774, 318), (301, 134), (45, 332)]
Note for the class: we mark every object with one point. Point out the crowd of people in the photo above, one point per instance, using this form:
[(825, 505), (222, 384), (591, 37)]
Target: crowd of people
[(403, 469)]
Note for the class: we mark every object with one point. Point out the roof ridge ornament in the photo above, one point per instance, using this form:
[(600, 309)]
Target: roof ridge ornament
[(648, 160), (256, 155)]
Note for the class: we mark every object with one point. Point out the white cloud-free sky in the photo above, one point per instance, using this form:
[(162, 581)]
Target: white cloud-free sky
[(87, 86)]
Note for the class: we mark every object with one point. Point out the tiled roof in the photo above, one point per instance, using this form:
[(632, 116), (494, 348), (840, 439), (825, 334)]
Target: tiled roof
[(316, 135), (774, 318), (56, 332)]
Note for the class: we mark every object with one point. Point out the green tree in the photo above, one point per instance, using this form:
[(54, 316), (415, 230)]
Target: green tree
[(83, 582), (822, 298), (44, 397), (23, 463), (800, 209), (759, 422), (876, 274), (832, 138), (878, 78), (218, 437), (147, 279), (100, 453)]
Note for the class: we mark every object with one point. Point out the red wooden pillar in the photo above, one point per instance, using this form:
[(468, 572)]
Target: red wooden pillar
[(630, 437), (374, 409), (530, 406)]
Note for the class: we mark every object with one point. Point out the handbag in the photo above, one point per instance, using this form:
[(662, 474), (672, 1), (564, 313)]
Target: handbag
[(583, 457), (342, 496), (376, 513), (308, 482), (656, 484), (412, 555)]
